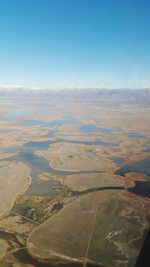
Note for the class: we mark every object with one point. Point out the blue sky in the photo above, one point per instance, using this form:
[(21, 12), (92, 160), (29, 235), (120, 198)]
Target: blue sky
[(85, 43)]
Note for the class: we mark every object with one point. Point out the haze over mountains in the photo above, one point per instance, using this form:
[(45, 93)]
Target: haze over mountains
[(117, 97)]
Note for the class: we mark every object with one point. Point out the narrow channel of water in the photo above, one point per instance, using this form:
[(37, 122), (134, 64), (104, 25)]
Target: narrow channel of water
[(96, 189)]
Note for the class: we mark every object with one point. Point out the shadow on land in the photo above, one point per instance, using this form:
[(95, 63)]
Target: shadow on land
[(144, 256)]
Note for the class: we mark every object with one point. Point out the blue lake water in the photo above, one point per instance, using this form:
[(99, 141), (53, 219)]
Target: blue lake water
[(142, 166), (91, 128), (49, 134), (39, 164), (97, 141), (32, 122), (146, 149), (135, 135), (16, 114), (118, 160), (141, 188)]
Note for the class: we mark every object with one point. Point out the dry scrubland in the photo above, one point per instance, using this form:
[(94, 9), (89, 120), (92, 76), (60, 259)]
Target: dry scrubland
[(3, 248), (14, 180), (101, 226), (81, 182)]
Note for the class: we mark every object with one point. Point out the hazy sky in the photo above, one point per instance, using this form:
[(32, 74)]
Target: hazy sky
[(52, 43)]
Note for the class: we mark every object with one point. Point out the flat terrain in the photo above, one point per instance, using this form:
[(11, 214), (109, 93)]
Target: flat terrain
[(76, 157), (81, 182), (14, 180), (3, 248), (74, 178), (99, 234)]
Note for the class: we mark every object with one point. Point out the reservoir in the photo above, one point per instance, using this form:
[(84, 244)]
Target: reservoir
[(142, 166)]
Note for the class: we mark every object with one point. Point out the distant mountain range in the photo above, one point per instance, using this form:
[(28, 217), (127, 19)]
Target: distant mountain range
[(113, 97)]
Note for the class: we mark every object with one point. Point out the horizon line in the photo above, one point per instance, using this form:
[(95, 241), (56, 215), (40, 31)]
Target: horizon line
[(22, 87)]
